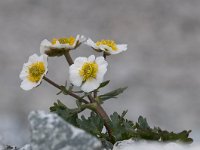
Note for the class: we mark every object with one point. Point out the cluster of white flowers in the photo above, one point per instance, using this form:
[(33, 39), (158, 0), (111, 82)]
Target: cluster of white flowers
[(87, 73)]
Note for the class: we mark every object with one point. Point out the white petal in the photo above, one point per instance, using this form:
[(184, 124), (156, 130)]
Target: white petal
[(91, 58), (23, 74), (89, 42), (100, 60), (82, 38), (101, 72), (27, 85), (79, 61), (90, 85), (122, 47), (44, 46), (33, 58), (45, 42), (75, 77)]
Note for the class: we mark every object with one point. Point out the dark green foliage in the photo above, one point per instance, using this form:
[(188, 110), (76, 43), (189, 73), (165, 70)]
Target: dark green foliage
[(69, 115), (122, 128), (93, 124)]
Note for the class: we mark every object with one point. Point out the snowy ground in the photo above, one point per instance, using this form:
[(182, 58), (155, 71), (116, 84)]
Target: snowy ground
[(129, 145)]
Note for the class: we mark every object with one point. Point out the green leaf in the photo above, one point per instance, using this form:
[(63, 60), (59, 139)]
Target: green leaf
[(121, 128), (143, 123), (112, 94), (93, 124), (103, 84), (70, 115)]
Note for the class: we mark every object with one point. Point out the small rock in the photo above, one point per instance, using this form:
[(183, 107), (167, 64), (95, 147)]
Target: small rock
[(106, 145), (50, 132), (7, 147), (26, 147)]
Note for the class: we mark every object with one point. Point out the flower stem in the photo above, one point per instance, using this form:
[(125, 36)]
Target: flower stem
[(101, 112), (68, 58), (95, 93), (104, 55), (68, 92)]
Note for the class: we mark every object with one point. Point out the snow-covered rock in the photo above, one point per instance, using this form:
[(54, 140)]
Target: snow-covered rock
[(50, 132), (144, 145)]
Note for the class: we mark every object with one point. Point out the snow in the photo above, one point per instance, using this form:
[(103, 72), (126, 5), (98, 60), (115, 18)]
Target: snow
[(131, 145)]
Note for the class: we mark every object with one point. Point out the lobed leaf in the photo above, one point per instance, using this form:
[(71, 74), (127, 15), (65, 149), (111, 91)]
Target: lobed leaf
[(112, 94)]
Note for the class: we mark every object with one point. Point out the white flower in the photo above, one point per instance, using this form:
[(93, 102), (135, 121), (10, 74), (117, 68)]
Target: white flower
[(61, 44), (108, 46), (88, 72), (33, 71)]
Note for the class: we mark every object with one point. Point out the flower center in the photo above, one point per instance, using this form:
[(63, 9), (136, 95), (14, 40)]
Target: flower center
[(109, 43), (35, 71), (89, 70), (70, 40)]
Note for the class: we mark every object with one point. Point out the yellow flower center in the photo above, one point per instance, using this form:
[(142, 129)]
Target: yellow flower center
[(70, 40), (35, 71), (89, 70), (109, 43)]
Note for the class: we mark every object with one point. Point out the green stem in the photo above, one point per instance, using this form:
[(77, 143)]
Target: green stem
[(68, 58), (68, 92), (101, 112), (95, 94)]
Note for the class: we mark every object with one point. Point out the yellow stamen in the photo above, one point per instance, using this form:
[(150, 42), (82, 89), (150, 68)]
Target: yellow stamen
[(109, 43), (88, 71), (53, 41), (70, 40), (35, 71)]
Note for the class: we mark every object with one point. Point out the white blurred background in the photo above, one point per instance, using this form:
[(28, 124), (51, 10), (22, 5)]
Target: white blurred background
[(161, 67)]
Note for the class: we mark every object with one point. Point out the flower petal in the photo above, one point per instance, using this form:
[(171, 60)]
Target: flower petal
[(89, 42), (79, 61), (100, 60), (23, 74), (44, 46), (101, 72), (33, 58), (82, 38), (91, 58), (75, 78), (27, 85), (122, 47), (90, 85)]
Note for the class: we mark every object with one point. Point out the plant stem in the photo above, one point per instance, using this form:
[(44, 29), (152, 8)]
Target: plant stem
[(95, 94), (101, 112), (68, 92), (104, 55), (68, 58)]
